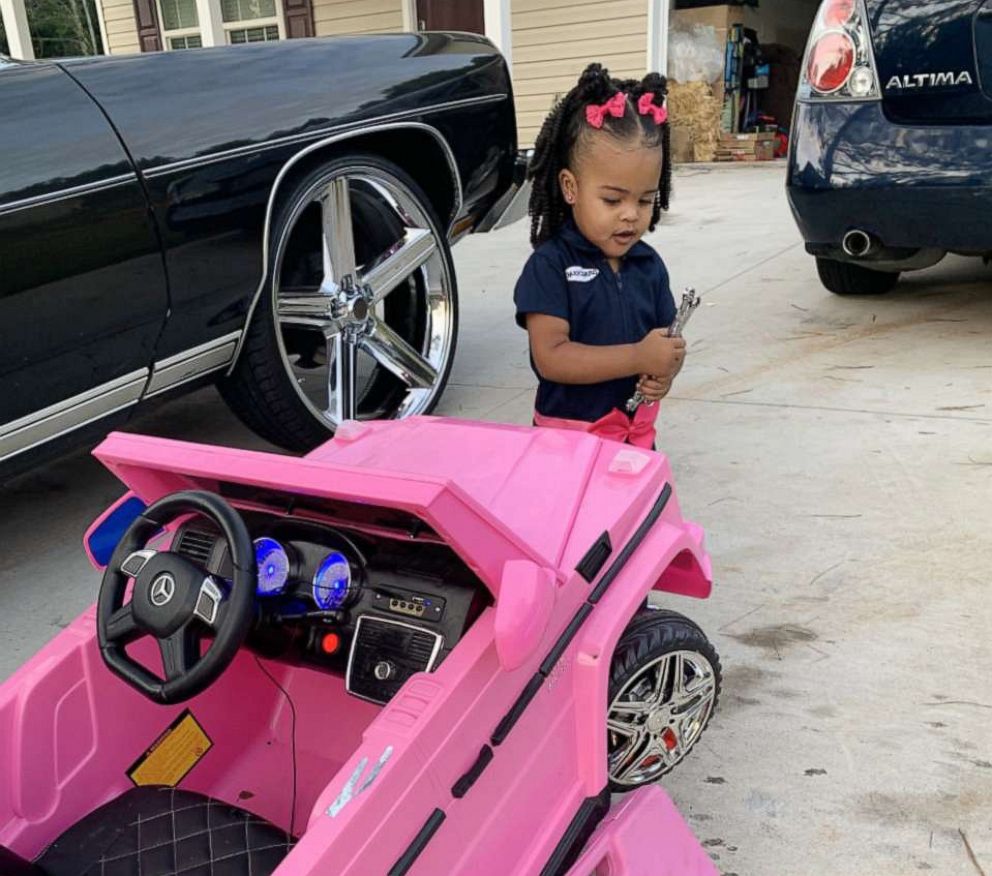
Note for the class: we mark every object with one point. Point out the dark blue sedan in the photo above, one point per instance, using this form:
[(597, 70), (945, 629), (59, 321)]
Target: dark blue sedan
[(890, 165)]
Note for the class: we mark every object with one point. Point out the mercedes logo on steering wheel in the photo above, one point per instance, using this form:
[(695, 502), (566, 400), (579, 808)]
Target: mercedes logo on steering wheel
[(163, 589)]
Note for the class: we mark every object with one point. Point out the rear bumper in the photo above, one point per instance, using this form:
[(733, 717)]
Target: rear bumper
[(911, 187)]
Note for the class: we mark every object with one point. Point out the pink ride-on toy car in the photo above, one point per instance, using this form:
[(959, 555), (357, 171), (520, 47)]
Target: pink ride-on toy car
[(421, 649)]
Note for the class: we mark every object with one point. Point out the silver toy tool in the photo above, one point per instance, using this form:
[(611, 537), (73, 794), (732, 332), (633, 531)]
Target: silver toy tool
[(690, 301)]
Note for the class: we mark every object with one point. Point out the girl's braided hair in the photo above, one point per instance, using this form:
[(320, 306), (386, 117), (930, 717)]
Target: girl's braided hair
[(565, 129)]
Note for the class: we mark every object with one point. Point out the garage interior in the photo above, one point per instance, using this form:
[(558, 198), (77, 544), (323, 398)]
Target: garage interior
[(735, 70)]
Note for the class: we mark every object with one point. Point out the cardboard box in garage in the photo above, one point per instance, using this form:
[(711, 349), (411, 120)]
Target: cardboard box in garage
[(746, 147), (721, 19)]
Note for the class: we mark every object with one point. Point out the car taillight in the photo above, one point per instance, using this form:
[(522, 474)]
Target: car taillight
[(831, 60), (839, 63), (837, 13)]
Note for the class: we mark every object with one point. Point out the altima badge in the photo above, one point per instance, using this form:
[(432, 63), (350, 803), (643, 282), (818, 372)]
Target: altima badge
[(929, 80)]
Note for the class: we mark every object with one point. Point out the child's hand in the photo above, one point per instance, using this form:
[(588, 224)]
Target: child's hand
[(653, 389), (660, 355)]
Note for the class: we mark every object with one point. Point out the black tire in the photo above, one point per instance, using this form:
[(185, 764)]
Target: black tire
[(844, 278), (650, 636), (260, 389)]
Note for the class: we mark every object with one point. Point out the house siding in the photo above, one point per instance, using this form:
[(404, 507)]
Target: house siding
[(553, 41), (121, 27), (331, 17), (334, 17)]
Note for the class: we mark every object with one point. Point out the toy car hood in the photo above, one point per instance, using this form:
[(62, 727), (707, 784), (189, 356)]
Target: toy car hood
[(494, 493)]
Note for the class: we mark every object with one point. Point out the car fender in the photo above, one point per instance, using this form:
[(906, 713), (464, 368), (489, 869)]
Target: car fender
[(319, 146), (671, 557)]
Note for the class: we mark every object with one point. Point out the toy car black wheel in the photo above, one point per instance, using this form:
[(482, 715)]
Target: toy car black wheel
[(361, 319), (843, 278), (664, 685)]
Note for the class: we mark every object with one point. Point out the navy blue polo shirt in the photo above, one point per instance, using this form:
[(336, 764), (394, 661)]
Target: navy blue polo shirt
[(570, 278)]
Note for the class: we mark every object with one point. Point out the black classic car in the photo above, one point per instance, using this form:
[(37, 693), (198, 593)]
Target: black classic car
[(276, 216), (890, 167)]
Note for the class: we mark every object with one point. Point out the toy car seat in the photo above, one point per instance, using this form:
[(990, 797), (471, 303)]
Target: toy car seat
[(153, 831)]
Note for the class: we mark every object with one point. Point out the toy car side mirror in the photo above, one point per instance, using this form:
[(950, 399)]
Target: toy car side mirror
[(523, 610), (100, 540)]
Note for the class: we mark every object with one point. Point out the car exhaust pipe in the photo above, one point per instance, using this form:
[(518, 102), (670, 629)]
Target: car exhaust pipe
[(859, 244)]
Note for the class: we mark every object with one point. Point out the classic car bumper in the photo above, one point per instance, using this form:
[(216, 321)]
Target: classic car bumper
[(513, 204), (913, 188)]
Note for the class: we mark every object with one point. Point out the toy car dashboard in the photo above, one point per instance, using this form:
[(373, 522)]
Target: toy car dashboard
[(375, 608)]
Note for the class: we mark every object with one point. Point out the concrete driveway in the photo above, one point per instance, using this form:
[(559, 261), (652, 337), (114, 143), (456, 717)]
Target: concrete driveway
[(838, 453)]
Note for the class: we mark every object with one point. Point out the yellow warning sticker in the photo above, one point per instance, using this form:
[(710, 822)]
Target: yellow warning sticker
[(173, 754)]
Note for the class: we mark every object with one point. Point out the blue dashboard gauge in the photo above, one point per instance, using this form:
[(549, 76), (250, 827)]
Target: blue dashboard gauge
[(332, 585), (273, 566)]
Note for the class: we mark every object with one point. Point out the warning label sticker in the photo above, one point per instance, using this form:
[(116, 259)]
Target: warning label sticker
[(173, 754)]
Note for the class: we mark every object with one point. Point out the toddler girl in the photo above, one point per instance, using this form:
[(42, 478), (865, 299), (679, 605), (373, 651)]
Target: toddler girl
[(595, 298)]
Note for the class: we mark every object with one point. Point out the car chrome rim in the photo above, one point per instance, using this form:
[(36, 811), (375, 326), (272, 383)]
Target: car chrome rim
[(363, 299), (657, 717)]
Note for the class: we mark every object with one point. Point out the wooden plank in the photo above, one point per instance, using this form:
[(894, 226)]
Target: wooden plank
[(527, 136), (537, 102), (359, 8), (522, 7), (635, 26), (576, 13), (123, 43), (325, 12), (127, 48), (377, 30), (572, 67), (119, 13), (531, 118), (356, 24), (584, 50), (551, 84), (123, 27)]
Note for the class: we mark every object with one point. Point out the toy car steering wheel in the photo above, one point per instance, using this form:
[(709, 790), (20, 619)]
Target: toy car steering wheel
[(176, 601)]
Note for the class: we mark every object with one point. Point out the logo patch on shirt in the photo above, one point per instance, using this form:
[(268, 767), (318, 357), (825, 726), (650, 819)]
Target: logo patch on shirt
[(581, 275)]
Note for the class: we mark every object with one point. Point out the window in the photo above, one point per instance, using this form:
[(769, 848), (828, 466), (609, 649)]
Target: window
[(186, 42), (179, 14), (247, 10), (251, 21), (227, 21), (180, 24), (253, 34)]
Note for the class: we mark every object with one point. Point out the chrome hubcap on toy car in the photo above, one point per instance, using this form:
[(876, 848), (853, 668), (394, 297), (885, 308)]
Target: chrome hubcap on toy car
[(657, 717), (364, 307)]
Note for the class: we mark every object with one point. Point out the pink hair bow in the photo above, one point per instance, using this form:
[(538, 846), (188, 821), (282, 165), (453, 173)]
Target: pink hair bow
[(615, 106), (647, 107)]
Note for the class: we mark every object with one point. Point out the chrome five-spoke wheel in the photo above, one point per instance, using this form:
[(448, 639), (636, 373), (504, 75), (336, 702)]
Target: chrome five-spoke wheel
[(362, 317), (665, 684)]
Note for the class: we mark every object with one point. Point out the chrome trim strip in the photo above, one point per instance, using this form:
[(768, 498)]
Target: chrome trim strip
[(72, 413), (266, 231), (72, 192), (162, 170), (192, 363), (438, 642)]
